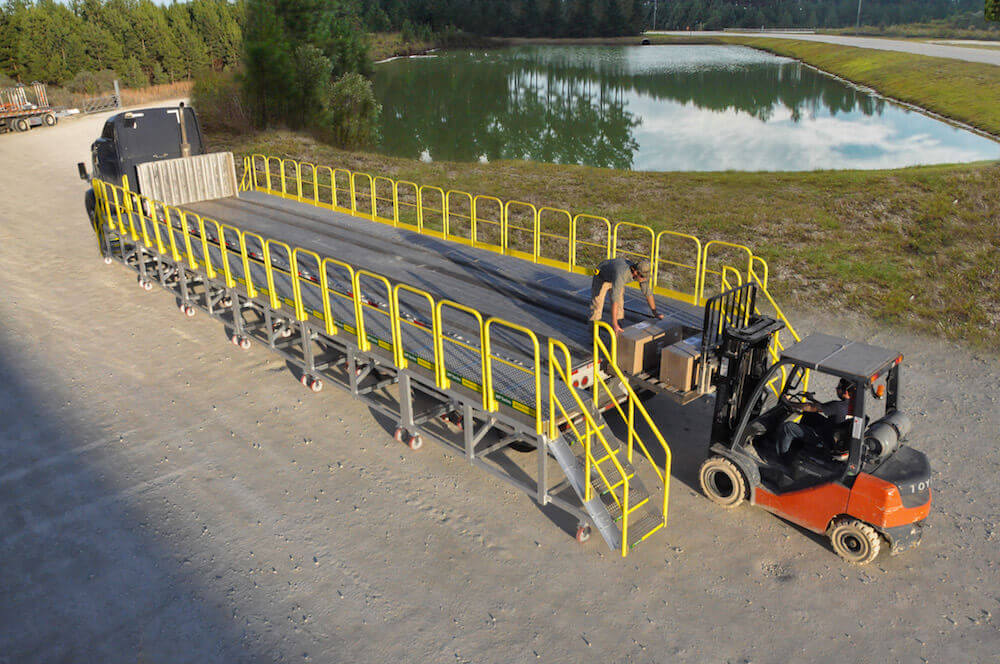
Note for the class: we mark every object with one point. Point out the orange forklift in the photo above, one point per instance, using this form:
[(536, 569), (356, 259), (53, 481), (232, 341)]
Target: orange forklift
[(862, 485)]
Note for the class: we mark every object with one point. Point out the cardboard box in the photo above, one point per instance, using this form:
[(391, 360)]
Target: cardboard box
[(679, 364), (635, 344), (639, 344)]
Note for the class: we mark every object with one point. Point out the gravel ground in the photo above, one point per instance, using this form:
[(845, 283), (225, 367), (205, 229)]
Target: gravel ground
[(168, 498)]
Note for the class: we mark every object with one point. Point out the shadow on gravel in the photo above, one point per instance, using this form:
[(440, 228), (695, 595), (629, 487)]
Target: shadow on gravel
[(85, 576), (562, 519)]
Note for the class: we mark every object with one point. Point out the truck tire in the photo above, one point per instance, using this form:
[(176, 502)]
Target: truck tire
[(21, 124), (854, 541), (722, 482), (90, 203), (49, 119)]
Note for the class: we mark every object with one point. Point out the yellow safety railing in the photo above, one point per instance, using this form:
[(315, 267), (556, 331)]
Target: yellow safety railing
[(241, 257), (607, 357), (586, 431), (687, 270), (549, 235)]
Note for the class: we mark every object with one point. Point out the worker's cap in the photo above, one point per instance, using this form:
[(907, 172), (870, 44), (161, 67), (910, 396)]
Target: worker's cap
[(642, 267)]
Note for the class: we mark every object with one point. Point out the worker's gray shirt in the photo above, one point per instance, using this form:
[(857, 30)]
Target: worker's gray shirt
[(617, 272)]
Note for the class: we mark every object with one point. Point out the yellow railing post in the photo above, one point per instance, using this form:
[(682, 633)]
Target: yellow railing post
[(536, 366), (488, 405)]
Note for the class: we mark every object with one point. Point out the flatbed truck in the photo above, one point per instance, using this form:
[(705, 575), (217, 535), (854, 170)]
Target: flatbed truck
[(20, 113), (463, 319)]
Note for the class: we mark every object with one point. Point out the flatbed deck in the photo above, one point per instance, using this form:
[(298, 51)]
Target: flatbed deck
[(550, 301)]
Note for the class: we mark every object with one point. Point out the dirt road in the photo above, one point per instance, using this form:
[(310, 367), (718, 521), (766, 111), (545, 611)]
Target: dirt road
[(165, 497)]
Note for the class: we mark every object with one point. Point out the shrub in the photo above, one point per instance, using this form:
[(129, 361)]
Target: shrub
[(218, 99), (352, 119), (91, 83), (133, 75)]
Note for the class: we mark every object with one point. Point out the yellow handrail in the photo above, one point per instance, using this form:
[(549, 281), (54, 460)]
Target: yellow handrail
[(401, 361), (609, 358), (536, 370), (360, 305), (487, 402)]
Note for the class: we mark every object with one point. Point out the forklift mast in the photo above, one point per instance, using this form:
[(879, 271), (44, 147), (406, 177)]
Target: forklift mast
[(738, 339)]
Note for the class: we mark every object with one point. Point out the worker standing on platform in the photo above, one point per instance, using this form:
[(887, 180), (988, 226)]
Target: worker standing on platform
[(612, 275)]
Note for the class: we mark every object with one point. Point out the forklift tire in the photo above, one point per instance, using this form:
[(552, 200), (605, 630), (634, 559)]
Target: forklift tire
[(722, 482), (854, 541)]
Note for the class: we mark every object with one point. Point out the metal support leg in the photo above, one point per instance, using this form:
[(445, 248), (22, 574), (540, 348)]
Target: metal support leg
[(238, 327), (352, 370), (468, 430), (307, 347), (140, 259), (543, 470), (182, 281), (406, 402)]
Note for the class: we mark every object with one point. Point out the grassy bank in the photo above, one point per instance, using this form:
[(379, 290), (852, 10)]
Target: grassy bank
[(914, 246), (965, 91)]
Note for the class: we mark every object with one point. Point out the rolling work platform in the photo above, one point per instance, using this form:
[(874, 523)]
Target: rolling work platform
[(460, 317)]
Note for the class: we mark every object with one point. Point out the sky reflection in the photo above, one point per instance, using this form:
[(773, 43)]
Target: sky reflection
[(655, 108)]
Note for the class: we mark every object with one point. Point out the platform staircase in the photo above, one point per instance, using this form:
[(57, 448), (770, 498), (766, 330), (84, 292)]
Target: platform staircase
[(598, 464), (618, 502)]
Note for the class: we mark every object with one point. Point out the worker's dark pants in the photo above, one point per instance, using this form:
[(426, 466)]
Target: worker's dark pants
[(796, 430)]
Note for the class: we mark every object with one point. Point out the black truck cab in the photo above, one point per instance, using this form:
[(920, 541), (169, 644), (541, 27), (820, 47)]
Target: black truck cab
[(141, 136)]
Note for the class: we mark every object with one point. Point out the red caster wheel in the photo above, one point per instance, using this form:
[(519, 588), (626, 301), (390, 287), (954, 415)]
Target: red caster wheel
[(145, 285), (316, 385), (415, 442), (108, 260), (245, 343), (582, 534), (234, 340), (286, 332), (400, 435), (304, 380), (188, 310)]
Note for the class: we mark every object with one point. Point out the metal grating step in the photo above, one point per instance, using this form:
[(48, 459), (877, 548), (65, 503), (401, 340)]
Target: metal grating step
[(640, 529), (637, 493), (610, 471)]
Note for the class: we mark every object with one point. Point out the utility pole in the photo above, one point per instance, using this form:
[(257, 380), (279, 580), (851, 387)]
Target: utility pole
[(858, 28), (655, 4)]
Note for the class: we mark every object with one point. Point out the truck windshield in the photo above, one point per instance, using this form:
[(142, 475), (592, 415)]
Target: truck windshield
[(155, 134)]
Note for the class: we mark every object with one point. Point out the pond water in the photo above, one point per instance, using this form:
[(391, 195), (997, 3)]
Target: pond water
[(652, 108)]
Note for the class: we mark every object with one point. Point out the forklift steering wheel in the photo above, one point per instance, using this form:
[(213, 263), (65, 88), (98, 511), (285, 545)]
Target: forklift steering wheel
[(794, 400)]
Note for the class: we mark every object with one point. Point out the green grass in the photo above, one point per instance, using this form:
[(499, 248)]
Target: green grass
[(915, 246), (965, 91)]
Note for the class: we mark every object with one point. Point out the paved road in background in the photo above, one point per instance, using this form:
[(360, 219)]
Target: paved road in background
[(986, 56)]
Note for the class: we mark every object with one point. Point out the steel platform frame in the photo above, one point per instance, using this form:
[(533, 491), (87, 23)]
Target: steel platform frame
[(420, 407)]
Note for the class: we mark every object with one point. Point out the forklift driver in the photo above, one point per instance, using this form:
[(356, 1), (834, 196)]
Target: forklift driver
[(821, 430)]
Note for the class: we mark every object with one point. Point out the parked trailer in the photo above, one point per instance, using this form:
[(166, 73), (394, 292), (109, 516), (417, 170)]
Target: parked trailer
[(462, 318), (18, 112)]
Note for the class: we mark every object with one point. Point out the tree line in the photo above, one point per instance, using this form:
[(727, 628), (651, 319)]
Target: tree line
[(85, 42), (598, 18), (718, 14)]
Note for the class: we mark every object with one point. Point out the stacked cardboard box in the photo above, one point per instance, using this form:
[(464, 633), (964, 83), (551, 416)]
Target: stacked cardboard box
[(679, 363), (639, 344)]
